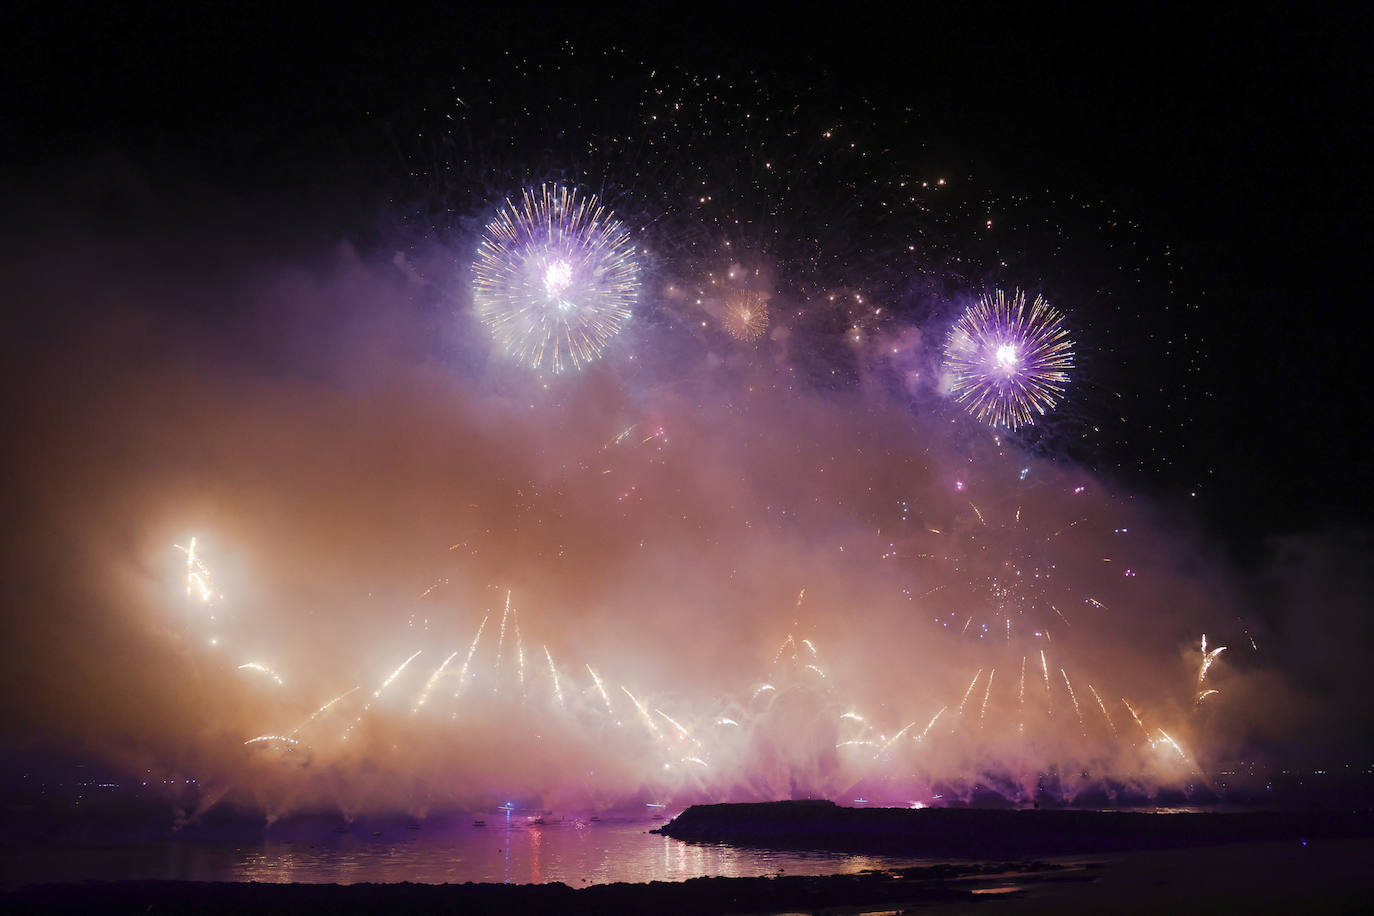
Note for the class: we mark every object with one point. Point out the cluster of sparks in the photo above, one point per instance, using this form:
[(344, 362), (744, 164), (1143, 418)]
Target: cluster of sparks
[(696, 748), (746, 315), (556, 277), (1008, 364)]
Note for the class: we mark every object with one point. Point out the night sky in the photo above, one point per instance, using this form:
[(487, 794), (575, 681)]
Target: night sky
[(1189, 189)]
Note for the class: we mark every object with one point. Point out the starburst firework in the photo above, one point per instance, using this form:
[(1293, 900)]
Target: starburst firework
[(1008, 364), (556, 277), (746, 315)]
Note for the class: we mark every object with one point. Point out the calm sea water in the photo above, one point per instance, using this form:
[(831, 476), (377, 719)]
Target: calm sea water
[(574, 852)]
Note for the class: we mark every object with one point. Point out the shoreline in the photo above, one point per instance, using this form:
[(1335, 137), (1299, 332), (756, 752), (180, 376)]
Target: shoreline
[(1322, 876)]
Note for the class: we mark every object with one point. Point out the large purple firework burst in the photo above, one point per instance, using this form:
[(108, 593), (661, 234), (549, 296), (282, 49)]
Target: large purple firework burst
[(555, 278), (1008, 364)]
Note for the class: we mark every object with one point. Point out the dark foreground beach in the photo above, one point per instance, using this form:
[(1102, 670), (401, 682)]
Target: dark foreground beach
[(1184, 862)]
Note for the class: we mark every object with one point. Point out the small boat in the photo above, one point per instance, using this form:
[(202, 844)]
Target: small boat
[(412, 826), (594, 819), (479, 823), (537, 820)]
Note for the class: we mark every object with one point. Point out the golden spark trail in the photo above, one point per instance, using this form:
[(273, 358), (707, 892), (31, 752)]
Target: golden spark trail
[(1103, 707), (463, 672), (284, 738), (1021, 698), (1049, 697), (761, 689), (198, 581), (520, 655), (317, 713), (395, 674), (501, 640), (1207, 659), (976, 676), (433, 679), (987, 693), (893, 740), (931, 723), (1082, 726), (376, 694), (1174, 744), (812, 648), (553, 672), (643, 713), (682, 732), (1136, 716), (852, 715), (966, 623), (785, 643), (254, 666), (602, 689), (817, 670)]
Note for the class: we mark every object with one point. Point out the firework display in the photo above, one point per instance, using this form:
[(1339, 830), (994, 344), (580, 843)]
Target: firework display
[(1008, 364), (555, 278)]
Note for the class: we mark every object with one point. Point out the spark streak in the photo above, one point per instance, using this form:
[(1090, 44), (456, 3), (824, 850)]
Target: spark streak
[(553, 672), (602, 688), (433, 679), (1103, 706), (976, 676), (254, 666), (1082, 726)]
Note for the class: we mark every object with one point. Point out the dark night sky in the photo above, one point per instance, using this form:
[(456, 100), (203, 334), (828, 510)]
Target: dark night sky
[(1237, 137)]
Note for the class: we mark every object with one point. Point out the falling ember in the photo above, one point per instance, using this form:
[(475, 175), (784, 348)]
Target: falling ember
[(986, 694), (433, 679), (976, 676), (553, 673), (1103, 706), (601, 688), (1049, 697), (811, 648), (1082, 726), (785, 643), (284, 739), (762, 688), (817, 670)]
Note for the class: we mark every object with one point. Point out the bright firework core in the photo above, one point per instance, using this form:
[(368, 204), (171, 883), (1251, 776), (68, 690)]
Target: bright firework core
[(557, 278), (1006, 358)]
